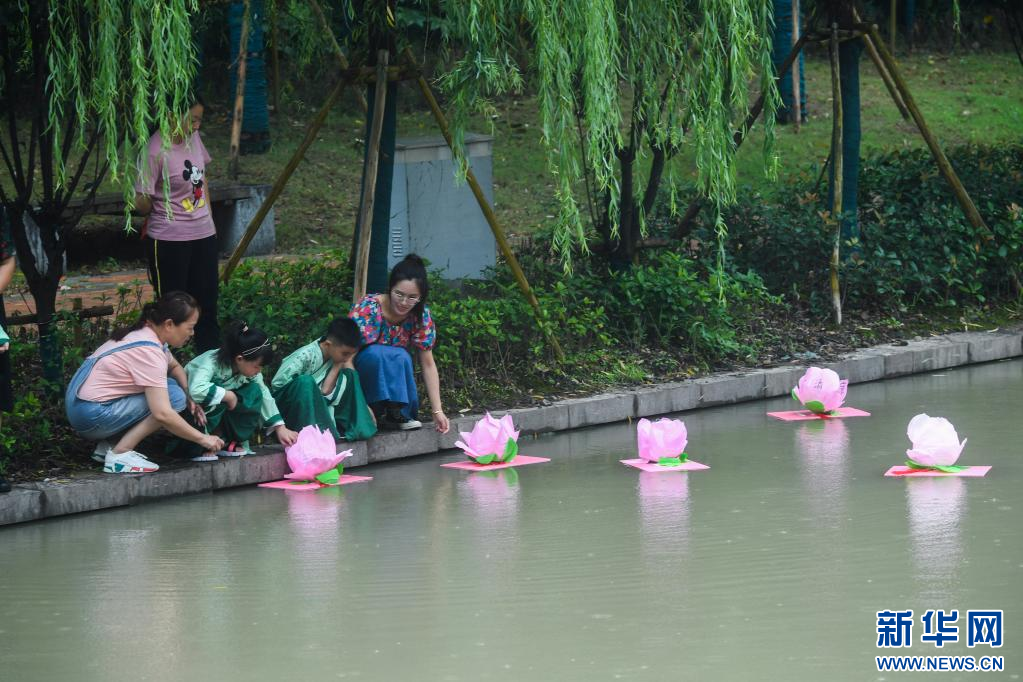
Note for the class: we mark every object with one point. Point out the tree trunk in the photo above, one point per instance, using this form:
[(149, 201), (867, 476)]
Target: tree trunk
[(39, 242), (621, 251)]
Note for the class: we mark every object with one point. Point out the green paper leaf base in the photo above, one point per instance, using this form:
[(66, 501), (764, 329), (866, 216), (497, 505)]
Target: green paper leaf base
[(816, 406), (673, 461), (511, 449), (331, 477), (948, 469)]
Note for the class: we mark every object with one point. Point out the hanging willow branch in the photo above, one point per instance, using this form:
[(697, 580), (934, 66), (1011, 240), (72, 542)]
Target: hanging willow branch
[(638, 75), (117, 69)]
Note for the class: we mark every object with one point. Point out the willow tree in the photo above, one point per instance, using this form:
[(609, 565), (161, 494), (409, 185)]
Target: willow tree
[(83, 83), (618, 80)]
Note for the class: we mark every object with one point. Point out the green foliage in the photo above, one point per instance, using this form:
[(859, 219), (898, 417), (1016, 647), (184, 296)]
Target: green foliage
[(614, 78), (916, 248), (292, 301), (121, 68)]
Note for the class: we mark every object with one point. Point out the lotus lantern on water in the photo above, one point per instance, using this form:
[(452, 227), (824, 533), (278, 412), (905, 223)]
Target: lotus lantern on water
[(935, 444), (491, 441), (820, 390), (663, 441), (314, 456)]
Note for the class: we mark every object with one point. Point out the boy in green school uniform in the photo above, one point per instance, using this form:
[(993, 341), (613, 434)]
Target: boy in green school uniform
[(317, 384)]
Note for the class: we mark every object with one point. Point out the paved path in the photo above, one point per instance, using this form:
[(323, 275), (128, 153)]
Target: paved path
[(93, 290)]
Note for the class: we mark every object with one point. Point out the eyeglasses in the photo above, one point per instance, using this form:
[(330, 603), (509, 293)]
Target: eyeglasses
[(405, 298)]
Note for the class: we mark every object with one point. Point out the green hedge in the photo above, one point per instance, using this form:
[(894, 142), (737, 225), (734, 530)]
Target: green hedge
[(916, 247)]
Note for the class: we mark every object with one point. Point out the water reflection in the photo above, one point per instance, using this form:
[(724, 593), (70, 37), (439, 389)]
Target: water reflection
[(493, 500), (823, 447), (664, 519), (936, 509)]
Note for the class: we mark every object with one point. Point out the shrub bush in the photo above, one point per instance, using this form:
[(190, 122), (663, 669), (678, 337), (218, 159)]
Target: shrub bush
[(915, 245)]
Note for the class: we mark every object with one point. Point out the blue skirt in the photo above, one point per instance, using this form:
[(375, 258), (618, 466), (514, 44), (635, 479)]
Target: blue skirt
[(385, 373)]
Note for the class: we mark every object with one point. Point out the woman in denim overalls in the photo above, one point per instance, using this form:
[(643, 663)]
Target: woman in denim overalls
[(169, 321)]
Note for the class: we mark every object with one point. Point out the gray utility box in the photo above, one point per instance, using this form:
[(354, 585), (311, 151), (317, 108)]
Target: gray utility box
[(435, 216), (234, 206)]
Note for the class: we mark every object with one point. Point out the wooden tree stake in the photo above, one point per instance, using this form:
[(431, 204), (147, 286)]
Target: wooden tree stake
[(797, 95), (883, 72), (369, 182), (338, 53), (836, 174), (488, 213), (965, 202), (239, 97), (282, 179)]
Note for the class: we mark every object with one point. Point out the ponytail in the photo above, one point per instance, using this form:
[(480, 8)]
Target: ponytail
[(176, 306)]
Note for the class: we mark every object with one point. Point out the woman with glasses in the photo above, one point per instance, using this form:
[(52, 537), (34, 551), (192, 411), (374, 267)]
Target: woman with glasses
[(392, 325)]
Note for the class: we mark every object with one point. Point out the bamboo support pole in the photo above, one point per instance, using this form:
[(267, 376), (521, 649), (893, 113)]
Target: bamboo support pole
[(338, 52), (239, 97), (369, 181), (965, 202), (836, 174), (797, 95), (282, 179), (488, 213), (886, 77), (883, 72)]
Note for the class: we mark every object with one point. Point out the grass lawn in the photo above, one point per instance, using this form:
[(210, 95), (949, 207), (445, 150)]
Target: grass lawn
[(972, 97)]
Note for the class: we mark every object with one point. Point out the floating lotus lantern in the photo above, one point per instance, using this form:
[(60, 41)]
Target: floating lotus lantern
[(314, 456), (820, 390), (491, 441), (663, 441), (935, 444)]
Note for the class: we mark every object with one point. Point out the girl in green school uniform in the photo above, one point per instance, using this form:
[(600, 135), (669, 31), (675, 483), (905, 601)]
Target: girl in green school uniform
[(227, 383), (317, 384)]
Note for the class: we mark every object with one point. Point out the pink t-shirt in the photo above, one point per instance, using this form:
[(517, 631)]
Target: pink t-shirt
[(184, 165), (127, 372)]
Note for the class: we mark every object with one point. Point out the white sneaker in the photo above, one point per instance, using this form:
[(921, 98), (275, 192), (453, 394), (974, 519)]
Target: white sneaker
[(410, 425), (100, 453), (129, 462)]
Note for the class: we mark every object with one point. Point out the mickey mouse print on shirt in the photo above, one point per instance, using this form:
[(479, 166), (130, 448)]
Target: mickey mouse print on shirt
[(193, 174)]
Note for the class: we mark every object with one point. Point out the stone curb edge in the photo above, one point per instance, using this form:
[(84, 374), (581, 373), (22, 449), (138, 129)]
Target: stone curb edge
[(40, 500)]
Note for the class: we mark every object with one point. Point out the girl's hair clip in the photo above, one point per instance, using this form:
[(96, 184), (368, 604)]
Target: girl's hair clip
[(253, 351)]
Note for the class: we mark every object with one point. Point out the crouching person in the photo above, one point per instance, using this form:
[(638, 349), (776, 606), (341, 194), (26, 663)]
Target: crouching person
[(317, 384), (228, 384), (132, 386)]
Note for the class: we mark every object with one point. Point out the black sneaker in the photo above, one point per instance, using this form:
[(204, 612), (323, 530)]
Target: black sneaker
[(5, 486), (394, 420)]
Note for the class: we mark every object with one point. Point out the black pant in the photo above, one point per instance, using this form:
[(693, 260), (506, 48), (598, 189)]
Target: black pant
[(189, 266)]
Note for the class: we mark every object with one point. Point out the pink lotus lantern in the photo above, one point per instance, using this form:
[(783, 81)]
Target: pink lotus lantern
[(663, 441), (935, 444), (314, 456), (820, 390), (491, 440)]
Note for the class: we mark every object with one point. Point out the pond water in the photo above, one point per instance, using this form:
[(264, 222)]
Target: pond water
[(771, 565)]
